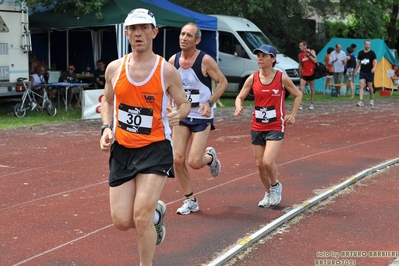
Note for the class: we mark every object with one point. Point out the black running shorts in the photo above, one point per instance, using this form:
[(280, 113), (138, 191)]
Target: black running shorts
[(126, 163), (260, 137)]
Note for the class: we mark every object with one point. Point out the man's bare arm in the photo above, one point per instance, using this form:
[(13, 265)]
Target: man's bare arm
[(213, 71), (177, 93)]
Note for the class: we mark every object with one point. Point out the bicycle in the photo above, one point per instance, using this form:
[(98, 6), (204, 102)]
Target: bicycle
[(28, 101)]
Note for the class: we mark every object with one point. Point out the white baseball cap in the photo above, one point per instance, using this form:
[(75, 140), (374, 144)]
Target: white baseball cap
[(140, 16)]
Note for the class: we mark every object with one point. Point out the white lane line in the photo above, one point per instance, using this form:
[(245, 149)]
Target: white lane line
[(50, 166), (252, 239), (60, 246), (52, 195), (284, 163), (243, 244), (199, 192)]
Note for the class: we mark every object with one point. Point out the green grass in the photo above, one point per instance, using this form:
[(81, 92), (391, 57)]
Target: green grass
[(228, 98), (8, 120)]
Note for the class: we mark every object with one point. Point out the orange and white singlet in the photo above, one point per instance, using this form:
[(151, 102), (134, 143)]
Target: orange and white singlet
[(140, 107)]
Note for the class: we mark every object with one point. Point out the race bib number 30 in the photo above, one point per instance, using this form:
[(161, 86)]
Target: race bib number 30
[(265, 114), (135, 119)]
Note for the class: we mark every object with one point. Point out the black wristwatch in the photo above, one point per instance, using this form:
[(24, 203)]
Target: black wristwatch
[(210, 103), (103, 127)]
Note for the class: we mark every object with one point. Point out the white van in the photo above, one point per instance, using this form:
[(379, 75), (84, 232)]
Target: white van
[(238, 37), (15, 46)]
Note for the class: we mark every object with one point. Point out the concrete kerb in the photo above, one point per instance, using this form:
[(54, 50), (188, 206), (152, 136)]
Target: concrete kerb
[(252, 239), (394, 263)]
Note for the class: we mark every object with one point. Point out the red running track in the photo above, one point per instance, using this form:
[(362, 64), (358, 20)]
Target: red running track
[(54, 206)]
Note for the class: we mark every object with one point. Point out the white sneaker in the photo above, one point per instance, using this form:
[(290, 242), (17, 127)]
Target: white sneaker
[(372, 102), (160, 226), (311, 106), (188, 207), (275, 194), (300, 107), (360, 103), (265, 202), (215, 165)]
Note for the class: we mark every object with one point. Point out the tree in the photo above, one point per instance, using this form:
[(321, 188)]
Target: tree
[(374, 18), (81, 7), (283, 20)]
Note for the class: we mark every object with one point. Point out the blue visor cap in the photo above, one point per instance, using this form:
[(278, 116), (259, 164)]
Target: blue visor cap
[(266, 49)]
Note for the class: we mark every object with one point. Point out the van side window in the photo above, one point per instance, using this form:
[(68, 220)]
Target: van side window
[(3, 26), (229, 44)]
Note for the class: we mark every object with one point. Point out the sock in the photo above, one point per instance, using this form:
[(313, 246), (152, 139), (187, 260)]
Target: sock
[(211, 160), (275, 185), (156, 217), (189, 195)]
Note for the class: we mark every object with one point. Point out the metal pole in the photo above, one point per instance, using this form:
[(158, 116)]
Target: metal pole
[(67, 47), (49, 48)]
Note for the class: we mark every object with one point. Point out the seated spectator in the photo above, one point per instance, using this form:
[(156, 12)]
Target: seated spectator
[(35, 64), (70, 76), (99, 75), (395, 77), (37, 80)]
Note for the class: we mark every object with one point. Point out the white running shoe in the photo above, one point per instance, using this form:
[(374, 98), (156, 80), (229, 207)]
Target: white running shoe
[(311, 106), (215, 165), (160, 226), (188, 207), (265, 202), (360, 103), (372, 102), (300, 107), (275, 194)]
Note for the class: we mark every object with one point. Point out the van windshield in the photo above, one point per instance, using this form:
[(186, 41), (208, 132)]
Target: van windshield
[(254, 39)]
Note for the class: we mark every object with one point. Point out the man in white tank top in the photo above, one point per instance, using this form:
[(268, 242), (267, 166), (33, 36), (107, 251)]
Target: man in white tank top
[(197, 70)]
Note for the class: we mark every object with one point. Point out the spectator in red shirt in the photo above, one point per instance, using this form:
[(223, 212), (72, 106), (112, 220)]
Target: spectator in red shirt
[(307, 63)]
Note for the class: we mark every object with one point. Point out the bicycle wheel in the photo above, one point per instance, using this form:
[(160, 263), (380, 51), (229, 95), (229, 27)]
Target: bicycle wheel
[(51, 109), (19, 110)]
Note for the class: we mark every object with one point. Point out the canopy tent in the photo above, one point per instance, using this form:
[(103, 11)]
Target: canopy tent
[(114, 14), (385, 59), (207, 24), (170, 18), (203, 21)]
